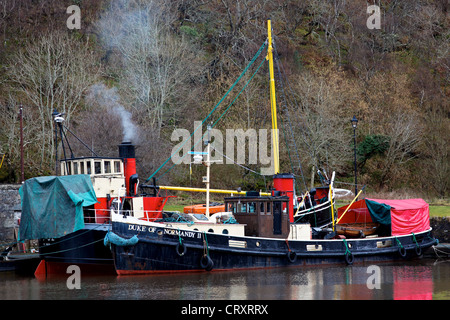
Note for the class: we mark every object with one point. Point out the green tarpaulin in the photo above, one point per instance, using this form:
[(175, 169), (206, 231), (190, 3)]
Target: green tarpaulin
[(379, 212), (53, 206)]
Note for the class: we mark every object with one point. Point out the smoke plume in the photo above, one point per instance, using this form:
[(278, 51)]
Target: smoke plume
[(101, 95)]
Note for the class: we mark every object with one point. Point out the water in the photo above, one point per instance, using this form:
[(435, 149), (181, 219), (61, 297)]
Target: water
[(423, 279)]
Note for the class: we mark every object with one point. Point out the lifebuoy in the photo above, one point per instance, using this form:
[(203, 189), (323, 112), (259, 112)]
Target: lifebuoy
[(292, 256), (341, 193), (206, 262), (181, 249), (349, 258)]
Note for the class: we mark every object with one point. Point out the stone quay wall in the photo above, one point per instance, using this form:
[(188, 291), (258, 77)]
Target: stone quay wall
[(441, 228), (10, 209)]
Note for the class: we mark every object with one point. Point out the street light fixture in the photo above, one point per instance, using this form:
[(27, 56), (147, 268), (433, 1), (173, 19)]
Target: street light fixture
[(354, 122)]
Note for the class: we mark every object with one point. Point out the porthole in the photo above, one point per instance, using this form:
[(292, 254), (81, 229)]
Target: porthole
[(211, 230), (258, 243), (225, 231)]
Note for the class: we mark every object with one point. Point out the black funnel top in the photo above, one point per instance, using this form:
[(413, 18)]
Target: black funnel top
[(126, 150)]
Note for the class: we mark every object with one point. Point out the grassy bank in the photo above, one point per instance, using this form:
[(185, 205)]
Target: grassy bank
[(439, 211), (174, 207)]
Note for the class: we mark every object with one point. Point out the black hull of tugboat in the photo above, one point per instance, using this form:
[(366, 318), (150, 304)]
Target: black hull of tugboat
[(161, 249), (83, 248)]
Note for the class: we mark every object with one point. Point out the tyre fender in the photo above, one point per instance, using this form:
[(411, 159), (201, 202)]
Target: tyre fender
[(206, 263), (292, 256), (181, 249)]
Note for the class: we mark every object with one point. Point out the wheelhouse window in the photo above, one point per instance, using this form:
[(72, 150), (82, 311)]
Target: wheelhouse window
[(107, 166), (262, 208), (117, 167), (251, 207), (97, 167), (232, 207)]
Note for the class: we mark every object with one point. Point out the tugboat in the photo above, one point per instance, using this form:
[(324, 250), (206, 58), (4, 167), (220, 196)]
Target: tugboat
[(263, 237), (267, 231), (70, 213)]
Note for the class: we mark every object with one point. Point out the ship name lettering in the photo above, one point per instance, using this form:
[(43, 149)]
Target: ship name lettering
[(137, 228), (189, 234)]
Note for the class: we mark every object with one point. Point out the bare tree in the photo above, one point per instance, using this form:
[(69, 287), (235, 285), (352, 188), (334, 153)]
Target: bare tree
[(436, 167), (156, 64), (51, 73), (320, 126), (404, 132)]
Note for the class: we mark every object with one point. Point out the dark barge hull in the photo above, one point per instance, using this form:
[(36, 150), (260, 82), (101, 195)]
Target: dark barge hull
[(158, 250), (83, 248), (24, 264)]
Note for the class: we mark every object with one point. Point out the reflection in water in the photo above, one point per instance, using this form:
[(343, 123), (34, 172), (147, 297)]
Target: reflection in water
[(423, 279), (413, 283)]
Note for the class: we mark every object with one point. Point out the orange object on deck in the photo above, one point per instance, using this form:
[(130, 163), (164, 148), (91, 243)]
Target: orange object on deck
[(201, 208)]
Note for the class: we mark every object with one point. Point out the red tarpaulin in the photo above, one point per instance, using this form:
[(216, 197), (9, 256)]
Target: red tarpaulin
[(407, 216)]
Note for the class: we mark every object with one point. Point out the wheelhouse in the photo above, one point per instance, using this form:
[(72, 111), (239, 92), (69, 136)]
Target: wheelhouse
[(264, 216), (93, 166)]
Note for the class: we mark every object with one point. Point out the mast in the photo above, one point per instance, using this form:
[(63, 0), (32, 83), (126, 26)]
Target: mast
[(273, 100)]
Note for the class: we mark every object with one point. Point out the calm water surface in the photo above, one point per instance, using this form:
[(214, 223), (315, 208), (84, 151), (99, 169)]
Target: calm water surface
[(423, 279)]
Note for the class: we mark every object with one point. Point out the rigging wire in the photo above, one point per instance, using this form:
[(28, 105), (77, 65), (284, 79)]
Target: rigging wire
[(214, 109), (220, 117), (84, 144), (234, 162)]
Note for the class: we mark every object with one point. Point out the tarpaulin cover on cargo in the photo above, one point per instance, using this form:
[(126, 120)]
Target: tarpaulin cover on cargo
[(53, 206), (404, 216)]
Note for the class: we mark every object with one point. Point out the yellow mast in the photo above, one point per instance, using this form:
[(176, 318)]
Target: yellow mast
[(273, 101)]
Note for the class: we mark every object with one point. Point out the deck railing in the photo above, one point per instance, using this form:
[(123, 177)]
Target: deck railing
[(104, 215)]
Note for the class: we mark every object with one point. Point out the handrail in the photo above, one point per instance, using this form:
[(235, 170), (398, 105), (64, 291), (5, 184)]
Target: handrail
[(97, 216)]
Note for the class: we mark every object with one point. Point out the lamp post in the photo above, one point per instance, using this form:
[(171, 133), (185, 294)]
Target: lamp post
[(22, 172), (354, 122)]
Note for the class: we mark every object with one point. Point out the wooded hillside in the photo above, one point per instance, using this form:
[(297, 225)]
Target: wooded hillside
[(161, 65)]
